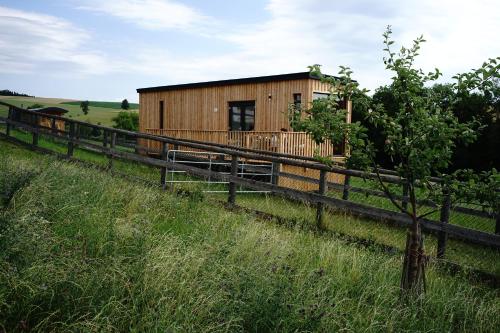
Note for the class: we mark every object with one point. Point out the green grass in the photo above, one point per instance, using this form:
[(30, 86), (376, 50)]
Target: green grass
[(461, 219), (81, 250), (467, 255), (100, 104), (101, 113)]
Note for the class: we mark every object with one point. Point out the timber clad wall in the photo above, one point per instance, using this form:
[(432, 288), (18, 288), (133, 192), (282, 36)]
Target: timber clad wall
[(206, 108)]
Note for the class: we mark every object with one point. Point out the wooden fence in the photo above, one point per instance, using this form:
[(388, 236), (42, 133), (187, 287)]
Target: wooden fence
[(112, 147)]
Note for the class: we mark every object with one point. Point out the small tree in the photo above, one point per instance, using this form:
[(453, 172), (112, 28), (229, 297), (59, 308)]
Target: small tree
[(84, 105), (127, 120), (420, 136), (125, 105)]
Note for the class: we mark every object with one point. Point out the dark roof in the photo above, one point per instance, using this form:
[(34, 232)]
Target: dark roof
[(258, 79), (50, 110)]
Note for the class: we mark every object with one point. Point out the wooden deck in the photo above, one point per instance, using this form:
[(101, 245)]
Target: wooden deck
[(292, 143)]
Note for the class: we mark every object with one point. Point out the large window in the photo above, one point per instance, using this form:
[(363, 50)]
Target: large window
[(242, 116), (162, 122)]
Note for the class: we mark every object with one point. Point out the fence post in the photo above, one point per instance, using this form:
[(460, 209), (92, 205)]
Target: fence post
[(9, 117), (497, 224), (275, 173), (345, 193), (444, 218), (163, 170), (404, 201), (36, 128), (77, 134), (232, 185), (105, 138), (71, 145), (111, 147), (320, 205)]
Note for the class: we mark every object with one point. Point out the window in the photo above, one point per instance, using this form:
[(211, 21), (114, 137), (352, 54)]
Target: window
[(320, 95), (297, 100), (162, 123), (242, 116)]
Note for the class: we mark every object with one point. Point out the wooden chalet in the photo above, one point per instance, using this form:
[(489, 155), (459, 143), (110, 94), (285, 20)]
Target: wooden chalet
[(248, 112)]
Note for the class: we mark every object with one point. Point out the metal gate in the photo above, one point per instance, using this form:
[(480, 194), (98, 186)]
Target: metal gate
[(217, 162)]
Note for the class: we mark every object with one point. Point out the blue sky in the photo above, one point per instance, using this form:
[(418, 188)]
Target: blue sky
[(104, 50)]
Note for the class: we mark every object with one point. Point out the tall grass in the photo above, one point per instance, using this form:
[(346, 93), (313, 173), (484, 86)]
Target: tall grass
[(83, 251), (464, 254)]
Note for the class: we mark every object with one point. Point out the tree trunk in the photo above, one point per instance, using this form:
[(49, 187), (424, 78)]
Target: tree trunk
[(413, 277)]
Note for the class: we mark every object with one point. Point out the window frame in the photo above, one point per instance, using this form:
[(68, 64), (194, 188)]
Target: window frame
[(242, 106), (297, 102), (324, 93)]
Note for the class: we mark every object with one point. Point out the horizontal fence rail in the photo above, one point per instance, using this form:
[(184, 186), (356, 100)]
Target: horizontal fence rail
[(126, 145)]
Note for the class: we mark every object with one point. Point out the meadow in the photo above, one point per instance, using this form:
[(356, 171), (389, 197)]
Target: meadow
[(469, 257), (84, 250), (99, 112)]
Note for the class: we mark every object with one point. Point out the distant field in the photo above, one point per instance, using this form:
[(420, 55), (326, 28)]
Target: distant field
[(99, 112), (111, 105)]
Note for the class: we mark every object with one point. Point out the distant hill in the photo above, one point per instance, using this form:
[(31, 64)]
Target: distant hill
[(7, 92), (100, 113), (100, 104)]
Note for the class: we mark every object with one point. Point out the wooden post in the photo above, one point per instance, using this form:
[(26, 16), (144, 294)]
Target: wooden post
[(163, 170), (497, 224), (105, 138), (404, 201), (232, 186), (345, 193), (36, 128), (77, 134), (53, 125), (71, 145), (111, 147), (275, 173), (320, 206), (9, 117), (444, 218)]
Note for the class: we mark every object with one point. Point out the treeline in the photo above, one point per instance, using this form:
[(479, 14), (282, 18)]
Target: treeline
[(483, 154), (7, 92)]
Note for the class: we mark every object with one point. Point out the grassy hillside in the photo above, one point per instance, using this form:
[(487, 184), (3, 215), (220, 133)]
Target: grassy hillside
[(301, 215), (100, 104), (99, 113), (81, 250)]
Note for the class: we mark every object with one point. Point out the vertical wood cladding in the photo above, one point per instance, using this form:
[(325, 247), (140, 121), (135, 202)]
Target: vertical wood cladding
[(206, 108)]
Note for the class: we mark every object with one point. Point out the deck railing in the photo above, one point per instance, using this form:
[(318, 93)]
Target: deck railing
[(292, 143)]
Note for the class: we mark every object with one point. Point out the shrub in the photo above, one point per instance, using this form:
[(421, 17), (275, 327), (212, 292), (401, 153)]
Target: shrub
[(127, 121)]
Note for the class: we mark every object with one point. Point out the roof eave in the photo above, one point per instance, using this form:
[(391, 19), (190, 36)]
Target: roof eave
[(258, 79)]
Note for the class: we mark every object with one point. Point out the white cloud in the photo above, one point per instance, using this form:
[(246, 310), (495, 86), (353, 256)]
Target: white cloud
[(459, 34), (32, 42), (295, 34), (151, 14)]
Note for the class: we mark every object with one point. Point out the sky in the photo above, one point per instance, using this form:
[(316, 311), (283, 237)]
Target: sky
[(106, 49)]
